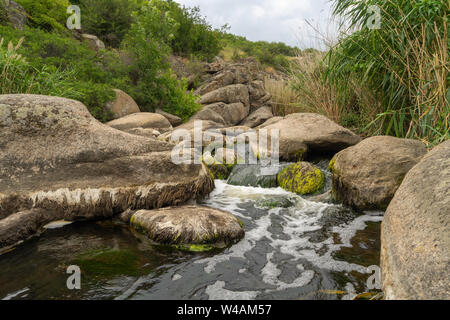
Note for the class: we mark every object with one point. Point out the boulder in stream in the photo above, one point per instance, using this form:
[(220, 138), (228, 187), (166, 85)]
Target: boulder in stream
[(255, 175), (189, 226), (145, 120), (415, 236), (306, 133), (367, 175)]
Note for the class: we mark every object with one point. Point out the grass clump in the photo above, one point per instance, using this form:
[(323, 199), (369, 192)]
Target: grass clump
[(403, 65), (17, 75)]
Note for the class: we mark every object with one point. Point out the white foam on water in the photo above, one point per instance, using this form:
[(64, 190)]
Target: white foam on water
[(270, 274), (15, 294), (57, 224), (244, 246), (176, 277), (217, 291), (296, 223)]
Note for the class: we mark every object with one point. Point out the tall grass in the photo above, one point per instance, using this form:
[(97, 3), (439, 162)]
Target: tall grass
[(284, 98), (403, 65), (314, 94), (18, 76)]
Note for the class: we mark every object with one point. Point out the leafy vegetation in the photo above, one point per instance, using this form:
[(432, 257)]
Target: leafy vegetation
[(110, 20), (46, 14), (155, 84), (273, 54)]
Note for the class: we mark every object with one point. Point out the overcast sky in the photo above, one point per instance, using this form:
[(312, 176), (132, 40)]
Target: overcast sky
[(270, 20)]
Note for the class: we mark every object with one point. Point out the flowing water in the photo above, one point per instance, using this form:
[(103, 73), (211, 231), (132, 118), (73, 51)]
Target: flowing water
[(294, 248)]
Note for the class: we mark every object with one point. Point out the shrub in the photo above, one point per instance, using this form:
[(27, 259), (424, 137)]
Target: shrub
[(46, 14), (110, 20), (404, 65), (268, 53), (88, 78), (194, 35), (154, 83)]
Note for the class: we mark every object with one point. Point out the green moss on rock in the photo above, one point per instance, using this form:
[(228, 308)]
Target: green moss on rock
[(302, 178), (194, 247), (108, 263), (331, 164)]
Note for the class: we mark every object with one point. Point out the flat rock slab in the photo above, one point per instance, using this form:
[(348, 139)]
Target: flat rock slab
[(415, 236), (55, 156), (302, 133), (366, 176), (188, 225), (145, 120)]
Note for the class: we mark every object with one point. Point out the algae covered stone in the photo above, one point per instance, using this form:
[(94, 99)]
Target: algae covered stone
[(302, 178), (188, 225), (221, 164)]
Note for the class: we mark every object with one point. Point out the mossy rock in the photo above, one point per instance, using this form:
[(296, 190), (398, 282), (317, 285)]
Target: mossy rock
[(275, 202), (302, 178), (220, 171), (108, 263)]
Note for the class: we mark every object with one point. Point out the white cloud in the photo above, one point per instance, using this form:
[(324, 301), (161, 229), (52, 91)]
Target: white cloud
[(270, 20)]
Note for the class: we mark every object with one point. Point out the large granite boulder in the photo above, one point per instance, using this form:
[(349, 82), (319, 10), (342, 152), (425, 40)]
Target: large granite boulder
[(415, 239), (258, 95), (122, 105), (174, 120), (366, 176), (56, 157), (223, 74), (258, 117), (144, 120), (189, 225), (255, 175), (230, 94), (302, 133), (225, 114), (93, 42)]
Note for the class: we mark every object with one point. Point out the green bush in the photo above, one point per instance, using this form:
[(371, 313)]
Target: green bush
[(273, 54), (109, 20), (46, 14), (194, 35), (154, 83), (191, 34)]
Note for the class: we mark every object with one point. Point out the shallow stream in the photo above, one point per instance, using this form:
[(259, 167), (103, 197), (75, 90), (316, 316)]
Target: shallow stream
[(294, 248)]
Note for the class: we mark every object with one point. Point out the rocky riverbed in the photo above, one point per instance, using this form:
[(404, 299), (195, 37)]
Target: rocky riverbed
[(293, 249), (141, 225)]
